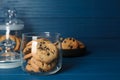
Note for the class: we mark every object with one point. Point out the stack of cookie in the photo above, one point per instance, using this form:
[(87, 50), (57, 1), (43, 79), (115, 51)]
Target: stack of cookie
[(41, 55), (72, 47)]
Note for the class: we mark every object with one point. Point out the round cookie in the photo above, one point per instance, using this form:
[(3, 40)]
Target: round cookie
[(70, 43), (31, 66), (46, 56), (27, 49), (27, 56), (45, 52), (27, 53), (3, 38), (13, 38), (78, 50), (43, 66), (43, 59)]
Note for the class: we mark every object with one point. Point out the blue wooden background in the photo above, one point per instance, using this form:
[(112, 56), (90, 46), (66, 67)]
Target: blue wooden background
[(95, 22), (76, 18)]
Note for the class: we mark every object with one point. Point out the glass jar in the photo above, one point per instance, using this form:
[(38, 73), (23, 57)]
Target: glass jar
[(10, 39), (41, 53)]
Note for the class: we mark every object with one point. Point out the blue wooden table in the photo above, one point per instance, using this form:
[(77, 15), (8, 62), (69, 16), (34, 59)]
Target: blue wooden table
[(101, 63)]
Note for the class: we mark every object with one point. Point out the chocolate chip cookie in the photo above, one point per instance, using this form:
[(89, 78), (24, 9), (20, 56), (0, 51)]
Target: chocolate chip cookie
[(41, 55), (13, 38), (70, 43), (46, 52)]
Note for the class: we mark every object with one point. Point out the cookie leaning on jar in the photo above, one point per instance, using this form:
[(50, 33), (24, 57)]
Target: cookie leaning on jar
[(42, 57), (72, 47)]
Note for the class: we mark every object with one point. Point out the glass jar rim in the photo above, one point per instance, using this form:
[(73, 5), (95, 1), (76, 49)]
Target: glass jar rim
[(30, 34)]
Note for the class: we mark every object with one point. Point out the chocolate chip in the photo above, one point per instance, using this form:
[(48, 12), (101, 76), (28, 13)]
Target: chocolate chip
[(43, 42), (73, 40), (40, 44), (64, 41), (71, 47), (48, 49), (48, 54), (42, 64)]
